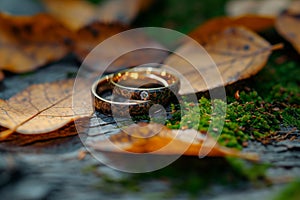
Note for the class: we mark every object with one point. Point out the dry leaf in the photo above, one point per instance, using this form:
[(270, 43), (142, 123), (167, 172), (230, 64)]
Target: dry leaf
[(157, 139), (43, 108), (288, 25), (1, 75), (254, 22), (262, 7), (72, 13), (18, 139), (29, 42), (93, 35), (77, 13), (96, 33), (238, 53)]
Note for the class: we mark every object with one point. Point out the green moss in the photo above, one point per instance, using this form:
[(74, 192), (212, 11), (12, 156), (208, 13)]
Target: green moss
[(266, 101), (291, 117), (110, 185), (89, 169), (252, 172), (248, 118), (284, 96), (277, 75), (278, 82), (191, 175), (291, 192)]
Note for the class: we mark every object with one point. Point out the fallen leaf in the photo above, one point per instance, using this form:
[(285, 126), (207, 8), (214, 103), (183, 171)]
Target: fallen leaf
[(253, 22), (78, 13), (288, 25), (29, 42), (93, 35), (72, 13), (1, 75), (262, 7), (101, 57), (237, 52), (158, 139), (18, 139), (43, 108)]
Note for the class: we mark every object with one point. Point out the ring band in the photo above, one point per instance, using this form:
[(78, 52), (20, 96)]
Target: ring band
[(146, 83), (121, 107)]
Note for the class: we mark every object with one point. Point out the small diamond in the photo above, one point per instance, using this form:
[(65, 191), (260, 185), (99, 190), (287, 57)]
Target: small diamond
[(144, 95)]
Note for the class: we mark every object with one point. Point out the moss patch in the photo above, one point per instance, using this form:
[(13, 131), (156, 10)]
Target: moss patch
[(265, 102), (291, 192), (247, 118), (193, 178)]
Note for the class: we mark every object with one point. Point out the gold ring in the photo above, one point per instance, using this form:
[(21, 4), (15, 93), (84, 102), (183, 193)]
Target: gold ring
[(119, 107), (157, 85)]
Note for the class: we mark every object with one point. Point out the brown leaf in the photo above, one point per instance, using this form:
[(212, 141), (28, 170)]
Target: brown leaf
[(77, 13), (72, 13), (157, 139), (43, 108), (254, 22), (288, 25), (1, 75), (93, 35), (96, 33), (18, 139), (29, 42), (237, 52)]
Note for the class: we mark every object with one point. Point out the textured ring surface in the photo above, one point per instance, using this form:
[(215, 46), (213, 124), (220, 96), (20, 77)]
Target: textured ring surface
[(157, 85), (119, 107)]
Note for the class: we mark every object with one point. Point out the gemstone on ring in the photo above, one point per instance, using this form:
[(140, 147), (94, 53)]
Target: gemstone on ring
[(157, 85), (144, 95), (135, 91)]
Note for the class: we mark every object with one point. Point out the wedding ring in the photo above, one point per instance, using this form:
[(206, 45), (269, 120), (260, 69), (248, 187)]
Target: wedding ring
[(119, 106), (157, 85)]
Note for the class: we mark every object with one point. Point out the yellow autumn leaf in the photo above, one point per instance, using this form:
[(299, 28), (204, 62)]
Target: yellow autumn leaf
[(237, 52), (43, 108), (288, 24), (158, 139)]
